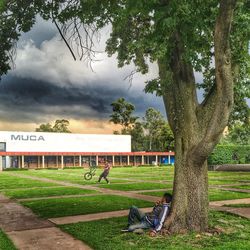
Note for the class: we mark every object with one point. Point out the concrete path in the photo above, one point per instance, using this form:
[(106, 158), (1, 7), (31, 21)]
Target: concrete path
[(235, 190), (217, 205), (151, 190), (229, 202), (241, 211), (28, 232)]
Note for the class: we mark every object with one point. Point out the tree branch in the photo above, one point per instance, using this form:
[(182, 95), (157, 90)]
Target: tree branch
[(223, 98), (64, 39)]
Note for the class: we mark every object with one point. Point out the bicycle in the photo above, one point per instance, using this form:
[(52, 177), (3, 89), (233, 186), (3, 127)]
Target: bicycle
[(89, 175)]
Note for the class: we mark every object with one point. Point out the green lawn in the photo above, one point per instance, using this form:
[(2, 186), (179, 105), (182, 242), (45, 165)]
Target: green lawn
[(12, 182), (217, 195), (67, 175), (46, 192), (214, 195), (83, 205), (5, 242), (108, 235)]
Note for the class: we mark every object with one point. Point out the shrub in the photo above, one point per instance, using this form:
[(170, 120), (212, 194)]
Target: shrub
[(230, 154)]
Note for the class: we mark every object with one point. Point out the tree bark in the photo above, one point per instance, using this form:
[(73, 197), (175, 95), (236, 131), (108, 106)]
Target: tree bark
[(190, 205), (197, 127)]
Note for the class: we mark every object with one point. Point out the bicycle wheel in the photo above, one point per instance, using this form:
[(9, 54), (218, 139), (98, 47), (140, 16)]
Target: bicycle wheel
[(87, 176)]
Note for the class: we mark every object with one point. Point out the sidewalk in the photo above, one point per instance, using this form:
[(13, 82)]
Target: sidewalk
[(28, 232)]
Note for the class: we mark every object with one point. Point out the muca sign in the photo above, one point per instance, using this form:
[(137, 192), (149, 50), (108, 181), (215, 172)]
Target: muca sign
[(27, 138)]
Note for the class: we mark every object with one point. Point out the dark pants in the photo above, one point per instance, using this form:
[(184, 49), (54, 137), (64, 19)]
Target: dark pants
[(104, 175), (142, 223)]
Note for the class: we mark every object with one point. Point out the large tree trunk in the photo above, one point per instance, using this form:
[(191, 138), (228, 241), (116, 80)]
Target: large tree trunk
[(190, 205), (197, 127)]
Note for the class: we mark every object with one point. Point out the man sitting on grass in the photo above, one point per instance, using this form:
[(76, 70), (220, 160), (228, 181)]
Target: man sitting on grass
[(153, 220)]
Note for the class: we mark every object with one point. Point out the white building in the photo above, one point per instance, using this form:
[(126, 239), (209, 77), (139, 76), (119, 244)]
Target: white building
[(63, 142), (40, 150)]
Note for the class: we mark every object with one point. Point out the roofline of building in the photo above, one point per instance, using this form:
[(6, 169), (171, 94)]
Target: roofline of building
[(86, 153)]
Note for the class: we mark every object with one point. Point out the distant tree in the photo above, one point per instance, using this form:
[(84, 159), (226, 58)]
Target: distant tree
[(123, 115), (138, 139), (60, 126), (153, 122), (47, 127), (239, 134), (166, 138)]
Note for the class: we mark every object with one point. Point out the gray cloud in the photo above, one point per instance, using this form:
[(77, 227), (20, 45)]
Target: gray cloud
[(46, 83), (26, 100)]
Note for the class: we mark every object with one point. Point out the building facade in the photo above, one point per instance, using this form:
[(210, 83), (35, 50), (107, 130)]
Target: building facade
[(60, 150)]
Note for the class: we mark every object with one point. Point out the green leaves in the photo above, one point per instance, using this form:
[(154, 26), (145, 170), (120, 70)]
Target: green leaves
[(122, 114), (60, 126)]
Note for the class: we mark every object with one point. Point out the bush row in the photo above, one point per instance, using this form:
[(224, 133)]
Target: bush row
[(230, 154)]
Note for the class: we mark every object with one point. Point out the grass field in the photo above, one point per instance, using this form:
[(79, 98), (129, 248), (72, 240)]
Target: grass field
[(5, 242), (105, 234), (214, 195), (111, 237), (13, 182), (46, 192), (83, 205)]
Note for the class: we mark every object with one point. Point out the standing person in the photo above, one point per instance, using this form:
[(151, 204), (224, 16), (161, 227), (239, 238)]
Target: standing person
[(153, 220), (105, 173)]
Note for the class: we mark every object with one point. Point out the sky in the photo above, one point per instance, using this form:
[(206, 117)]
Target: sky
[(46, 84)]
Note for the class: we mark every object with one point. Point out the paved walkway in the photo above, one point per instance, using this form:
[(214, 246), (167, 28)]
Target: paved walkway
[(217, 205), (28, 232), (241, 211), (235, 190)]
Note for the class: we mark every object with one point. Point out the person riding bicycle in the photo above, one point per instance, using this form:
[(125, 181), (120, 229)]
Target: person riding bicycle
[(105, 173)]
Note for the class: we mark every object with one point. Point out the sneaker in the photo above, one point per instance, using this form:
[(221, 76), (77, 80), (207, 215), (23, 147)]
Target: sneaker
[(125, 230)]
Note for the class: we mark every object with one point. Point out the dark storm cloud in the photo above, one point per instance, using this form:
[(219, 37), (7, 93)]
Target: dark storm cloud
[(46, 83), (30, 100)]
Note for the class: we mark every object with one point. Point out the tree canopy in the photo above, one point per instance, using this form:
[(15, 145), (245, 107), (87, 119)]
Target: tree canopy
[(60, 126), (148, 133), (123, 114)]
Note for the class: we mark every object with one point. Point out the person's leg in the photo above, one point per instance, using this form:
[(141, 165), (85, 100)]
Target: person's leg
[(100, 177), (140, 225), (106, 179), (135, 213)]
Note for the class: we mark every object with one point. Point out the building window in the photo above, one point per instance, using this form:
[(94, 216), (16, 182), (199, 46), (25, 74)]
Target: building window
[(2, 146)]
